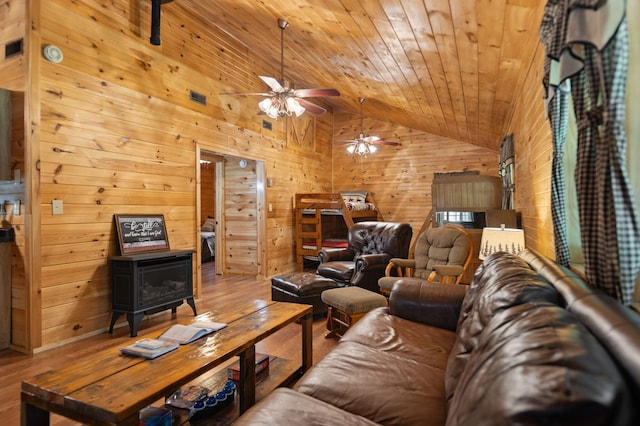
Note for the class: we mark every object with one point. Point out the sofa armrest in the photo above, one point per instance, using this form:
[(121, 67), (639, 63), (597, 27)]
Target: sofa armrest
[(325, 256), (427, 303)]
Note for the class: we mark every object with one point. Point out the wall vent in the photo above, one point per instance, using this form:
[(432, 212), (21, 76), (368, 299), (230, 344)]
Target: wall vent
[(13, 48), (198, 97)]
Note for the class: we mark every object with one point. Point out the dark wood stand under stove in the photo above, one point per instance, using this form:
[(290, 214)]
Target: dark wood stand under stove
[(146, 283)]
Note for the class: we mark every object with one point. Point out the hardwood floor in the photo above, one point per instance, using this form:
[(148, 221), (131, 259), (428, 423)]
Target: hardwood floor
[(217, 291)]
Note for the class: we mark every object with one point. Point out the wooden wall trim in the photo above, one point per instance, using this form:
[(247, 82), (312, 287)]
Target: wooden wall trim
[(197, 288), (261, 218), (33, 268)]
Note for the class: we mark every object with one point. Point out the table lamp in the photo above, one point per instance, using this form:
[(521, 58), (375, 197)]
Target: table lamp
[(509, 240)]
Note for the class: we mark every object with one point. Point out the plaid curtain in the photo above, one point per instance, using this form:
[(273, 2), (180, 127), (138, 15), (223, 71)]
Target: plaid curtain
[(558, 116), (556, 105), (506, 166), (588, 40)]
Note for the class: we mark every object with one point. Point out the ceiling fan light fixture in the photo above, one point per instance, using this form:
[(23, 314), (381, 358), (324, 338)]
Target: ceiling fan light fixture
[(293, 106), (280, 106), (361, 147), (365, 144), (269, 107)]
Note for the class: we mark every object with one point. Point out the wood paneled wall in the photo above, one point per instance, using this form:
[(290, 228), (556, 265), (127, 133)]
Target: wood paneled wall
[(534, 153), (400, 177), (12, 28), (207, 192), (118, 134)]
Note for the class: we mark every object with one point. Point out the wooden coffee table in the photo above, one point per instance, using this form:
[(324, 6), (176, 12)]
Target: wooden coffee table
[(109, 388)]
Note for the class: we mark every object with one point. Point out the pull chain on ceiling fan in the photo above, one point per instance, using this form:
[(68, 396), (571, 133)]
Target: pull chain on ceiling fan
[(284, 99), (363, 145)]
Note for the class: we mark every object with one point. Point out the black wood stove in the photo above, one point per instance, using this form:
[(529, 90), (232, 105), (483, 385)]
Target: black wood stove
[(146, 283)]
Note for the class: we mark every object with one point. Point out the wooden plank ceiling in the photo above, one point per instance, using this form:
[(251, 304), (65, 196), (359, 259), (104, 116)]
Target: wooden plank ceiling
[(448, 67)]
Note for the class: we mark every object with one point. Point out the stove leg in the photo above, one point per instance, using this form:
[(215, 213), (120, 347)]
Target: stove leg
[(191, 303), (114, 318), (134, 322)]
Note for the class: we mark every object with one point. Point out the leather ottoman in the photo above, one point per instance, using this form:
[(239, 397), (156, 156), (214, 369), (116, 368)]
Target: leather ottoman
[(302, 287)]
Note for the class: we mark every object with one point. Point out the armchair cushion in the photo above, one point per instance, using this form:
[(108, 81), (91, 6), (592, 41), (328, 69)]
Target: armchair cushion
[(439, 246), (337, 270), (440, 255), (371, 246)]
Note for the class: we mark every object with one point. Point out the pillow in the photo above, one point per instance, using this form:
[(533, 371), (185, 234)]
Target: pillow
[(354, 196), (209, 225)]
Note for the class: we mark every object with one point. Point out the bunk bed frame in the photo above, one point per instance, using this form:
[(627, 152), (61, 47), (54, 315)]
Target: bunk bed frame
[(309, 209)]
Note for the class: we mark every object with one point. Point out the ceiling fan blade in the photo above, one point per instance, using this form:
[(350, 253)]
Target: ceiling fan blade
[(311, 107), (249, 94), (316, 93), (273, 83), (381, 142)]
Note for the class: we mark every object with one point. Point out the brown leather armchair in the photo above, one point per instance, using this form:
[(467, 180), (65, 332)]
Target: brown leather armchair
[(370, 247), (441, 255)]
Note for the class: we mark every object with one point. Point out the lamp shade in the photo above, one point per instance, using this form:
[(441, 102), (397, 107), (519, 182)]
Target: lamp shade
[(501, 239)]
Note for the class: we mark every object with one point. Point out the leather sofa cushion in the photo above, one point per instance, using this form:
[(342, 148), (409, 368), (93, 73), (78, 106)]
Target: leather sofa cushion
[(404, 338), (502, 281), (303, 283), (617, 326), (284, 406), (535, 363), (374, 369), (341, 271), (380, 237)]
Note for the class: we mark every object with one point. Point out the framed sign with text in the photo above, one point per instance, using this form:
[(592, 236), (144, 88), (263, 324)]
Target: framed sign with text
[(141, 233)]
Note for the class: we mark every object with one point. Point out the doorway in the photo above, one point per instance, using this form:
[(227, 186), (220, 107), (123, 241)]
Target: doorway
[(231, 193)]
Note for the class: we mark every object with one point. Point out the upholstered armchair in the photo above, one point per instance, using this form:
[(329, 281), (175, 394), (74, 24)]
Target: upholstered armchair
[(371, 245), (440, 255)]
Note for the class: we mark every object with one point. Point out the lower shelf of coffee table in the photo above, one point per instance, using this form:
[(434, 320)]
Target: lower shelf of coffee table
[(281, 372)]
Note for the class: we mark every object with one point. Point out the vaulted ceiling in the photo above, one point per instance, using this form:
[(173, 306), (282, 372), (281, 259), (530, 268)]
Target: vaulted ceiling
[(448, 67)]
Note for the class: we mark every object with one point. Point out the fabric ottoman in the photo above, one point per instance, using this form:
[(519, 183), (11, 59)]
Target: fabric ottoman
[(347, 305)]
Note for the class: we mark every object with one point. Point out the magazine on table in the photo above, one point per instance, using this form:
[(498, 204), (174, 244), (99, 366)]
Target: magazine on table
[(149, 348), (186, 333), (174, 336)]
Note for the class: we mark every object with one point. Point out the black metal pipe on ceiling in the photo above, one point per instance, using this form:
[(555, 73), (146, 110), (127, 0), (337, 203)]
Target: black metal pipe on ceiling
[(155, 21)]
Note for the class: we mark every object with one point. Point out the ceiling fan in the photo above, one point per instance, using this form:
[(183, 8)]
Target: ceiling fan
[(284, 99), (365, 144)]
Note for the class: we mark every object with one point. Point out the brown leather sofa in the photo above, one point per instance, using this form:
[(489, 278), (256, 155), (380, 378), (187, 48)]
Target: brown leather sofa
[(529, 343), (370, 247)]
